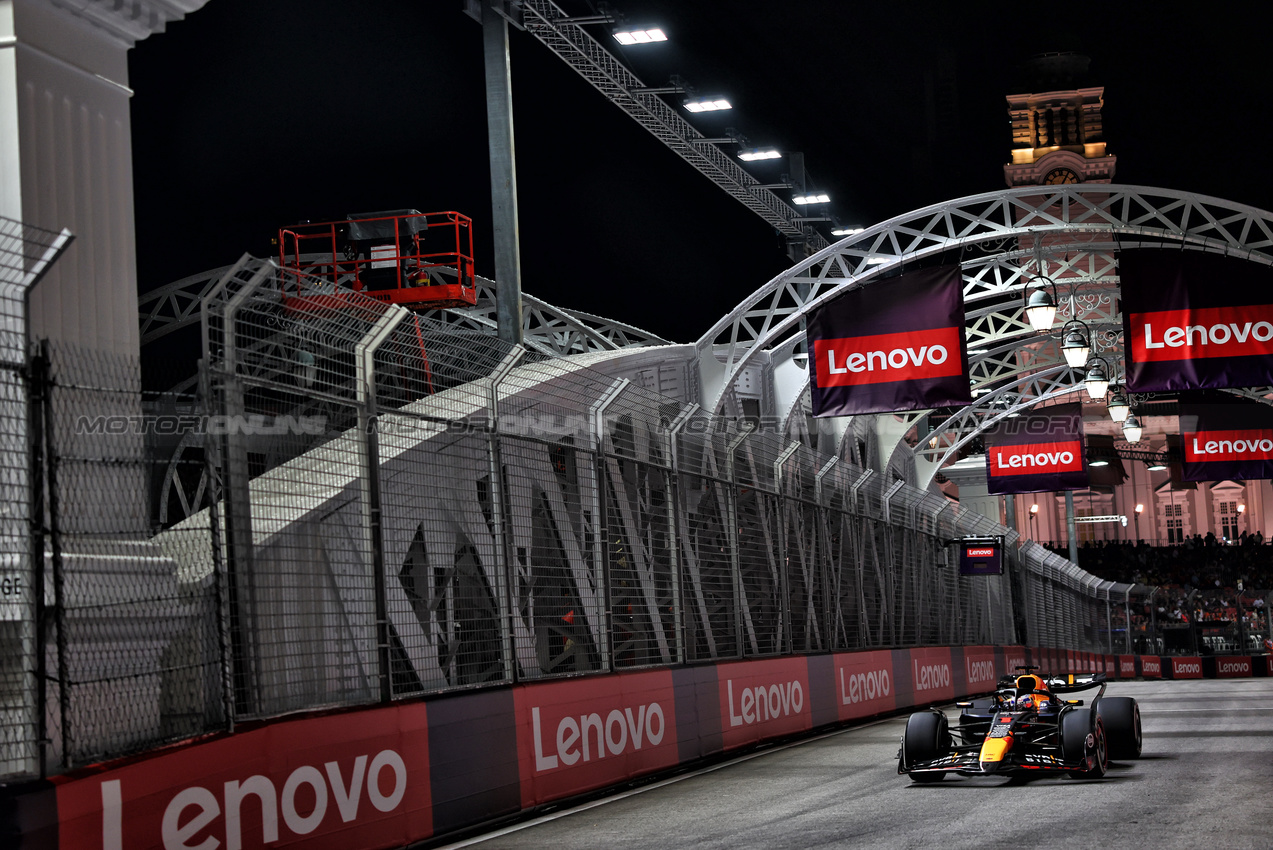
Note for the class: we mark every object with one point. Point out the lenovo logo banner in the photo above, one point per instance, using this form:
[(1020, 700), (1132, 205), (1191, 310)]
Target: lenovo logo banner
[(908, 356), (1037, 458), (864, 684), (979, 669), (1151, 666), (574, 736), (931, 676), (325, 782), (1233, 668), (893, 345), (1194, 320), (1037, 452), (1186, 668), (1226, 439), (761, 699), (1127, 667)]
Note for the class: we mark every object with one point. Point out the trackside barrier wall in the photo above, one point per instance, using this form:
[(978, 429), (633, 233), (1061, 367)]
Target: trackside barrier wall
[(387, 776)]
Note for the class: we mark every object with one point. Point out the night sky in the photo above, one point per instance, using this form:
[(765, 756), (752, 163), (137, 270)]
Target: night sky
[(249, 115)]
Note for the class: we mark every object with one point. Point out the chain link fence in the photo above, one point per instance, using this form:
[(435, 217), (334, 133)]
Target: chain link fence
[(365, 504)]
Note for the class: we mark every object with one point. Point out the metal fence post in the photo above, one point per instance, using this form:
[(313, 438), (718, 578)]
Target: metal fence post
[(675, 525), (240, 545), (503, 570), (369, 463), (735, 564), (896, 573), (830, 588), (784, 575), (601, 553)]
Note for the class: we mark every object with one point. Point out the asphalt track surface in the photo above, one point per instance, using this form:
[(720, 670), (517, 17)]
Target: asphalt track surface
[(1205, 779)]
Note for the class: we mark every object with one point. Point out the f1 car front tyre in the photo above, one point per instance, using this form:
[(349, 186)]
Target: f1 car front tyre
[(927, 738), (1121, 716), (1076, 725)]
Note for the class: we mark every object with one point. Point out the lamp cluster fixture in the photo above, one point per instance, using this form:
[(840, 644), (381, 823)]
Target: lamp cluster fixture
[(639, 36), (714, 104), (759, 154), (630, 36)]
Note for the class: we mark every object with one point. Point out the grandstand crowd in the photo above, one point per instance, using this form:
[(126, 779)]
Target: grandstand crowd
[(1221, 587)]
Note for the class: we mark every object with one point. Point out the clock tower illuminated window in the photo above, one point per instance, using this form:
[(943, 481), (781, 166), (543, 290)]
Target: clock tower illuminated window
[(1058, 136)]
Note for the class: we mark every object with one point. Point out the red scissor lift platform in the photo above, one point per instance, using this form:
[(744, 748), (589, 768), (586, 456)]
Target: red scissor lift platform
[(400, 256)]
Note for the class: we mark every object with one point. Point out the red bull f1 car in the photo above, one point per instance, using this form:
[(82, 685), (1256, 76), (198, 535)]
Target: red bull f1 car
[(1026, 727)]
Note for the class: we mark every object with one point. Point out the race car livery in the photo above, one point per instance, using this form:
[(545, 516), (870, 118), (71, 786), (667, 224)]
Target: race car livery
[(1025, 727)]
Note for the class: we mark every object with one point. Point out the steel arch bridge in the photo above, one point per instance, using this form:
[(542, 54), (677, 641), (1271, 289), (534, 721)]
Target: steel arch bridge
[(1002, 241)]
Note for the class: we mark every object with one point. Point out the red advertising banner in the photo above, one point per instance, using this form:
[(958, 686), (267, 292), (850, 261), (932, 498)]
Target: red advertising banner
[(980, 676), (1039, 451), (1127, 667), (579, 734), (1185, 668), (1195, 320), (894, 345), (763, 699), (309, 783), (1151, 666), (1229, 438), (864, 684), (1233, 667), (1013, 657), (931, 676)]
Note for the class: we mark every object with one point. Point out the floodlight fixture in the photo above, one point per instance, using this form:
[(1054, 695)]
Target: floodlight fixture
[(1132, 429), (1241, 508), (1040, 304), (1034, 509), (847, 231), (639, 35), (1099, 461), (1140, 508), (1158, 464), (1076, 342), (759, 154), (812, 198), (711, 104)]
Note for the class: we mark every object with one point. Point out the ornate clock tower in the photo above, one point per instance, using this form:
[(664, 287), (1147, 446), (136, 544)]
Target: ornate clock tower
[(1057, 134)]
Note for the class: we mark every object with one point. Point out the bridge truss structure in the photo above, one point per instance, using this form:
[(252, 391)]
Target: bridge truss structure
[(1003, 241)]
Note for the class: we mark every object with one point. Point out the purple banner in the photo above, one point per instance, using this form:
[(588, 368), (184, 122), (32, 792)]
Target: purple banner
[(1037, 452), (893, 345), (1223, 440), (980, 557), (1195, 321)]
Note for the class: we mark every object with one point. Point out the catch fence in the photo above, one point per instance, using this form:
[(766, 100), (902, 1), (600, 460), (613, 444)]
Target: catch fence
[(377, 506)]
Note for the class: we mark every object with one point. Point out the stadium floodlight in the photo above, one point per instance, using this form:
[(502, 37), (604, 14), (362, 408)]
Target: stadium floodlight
[(813, 198), (759, 154), (645, 35), (711, 104), (850, 231)]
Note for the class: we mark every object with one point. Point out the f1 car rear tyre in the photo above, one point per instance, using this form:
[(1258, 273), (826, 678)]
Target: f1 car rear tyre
[(1076, 725), (1121, 716), (927, 738)]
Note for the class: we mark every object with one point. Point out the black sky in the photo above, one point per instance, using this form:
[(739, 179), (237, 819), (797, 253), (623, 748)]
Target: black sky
[(249, 115)]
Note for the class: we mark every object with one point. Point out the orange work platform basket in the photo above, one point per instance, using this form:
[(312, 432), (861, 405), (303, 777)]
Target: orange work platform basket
[(419, 260)]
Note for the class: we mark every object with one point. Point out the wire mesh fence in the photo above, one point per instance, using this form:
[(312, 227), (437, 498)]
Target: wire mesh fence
[(365, 504)]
